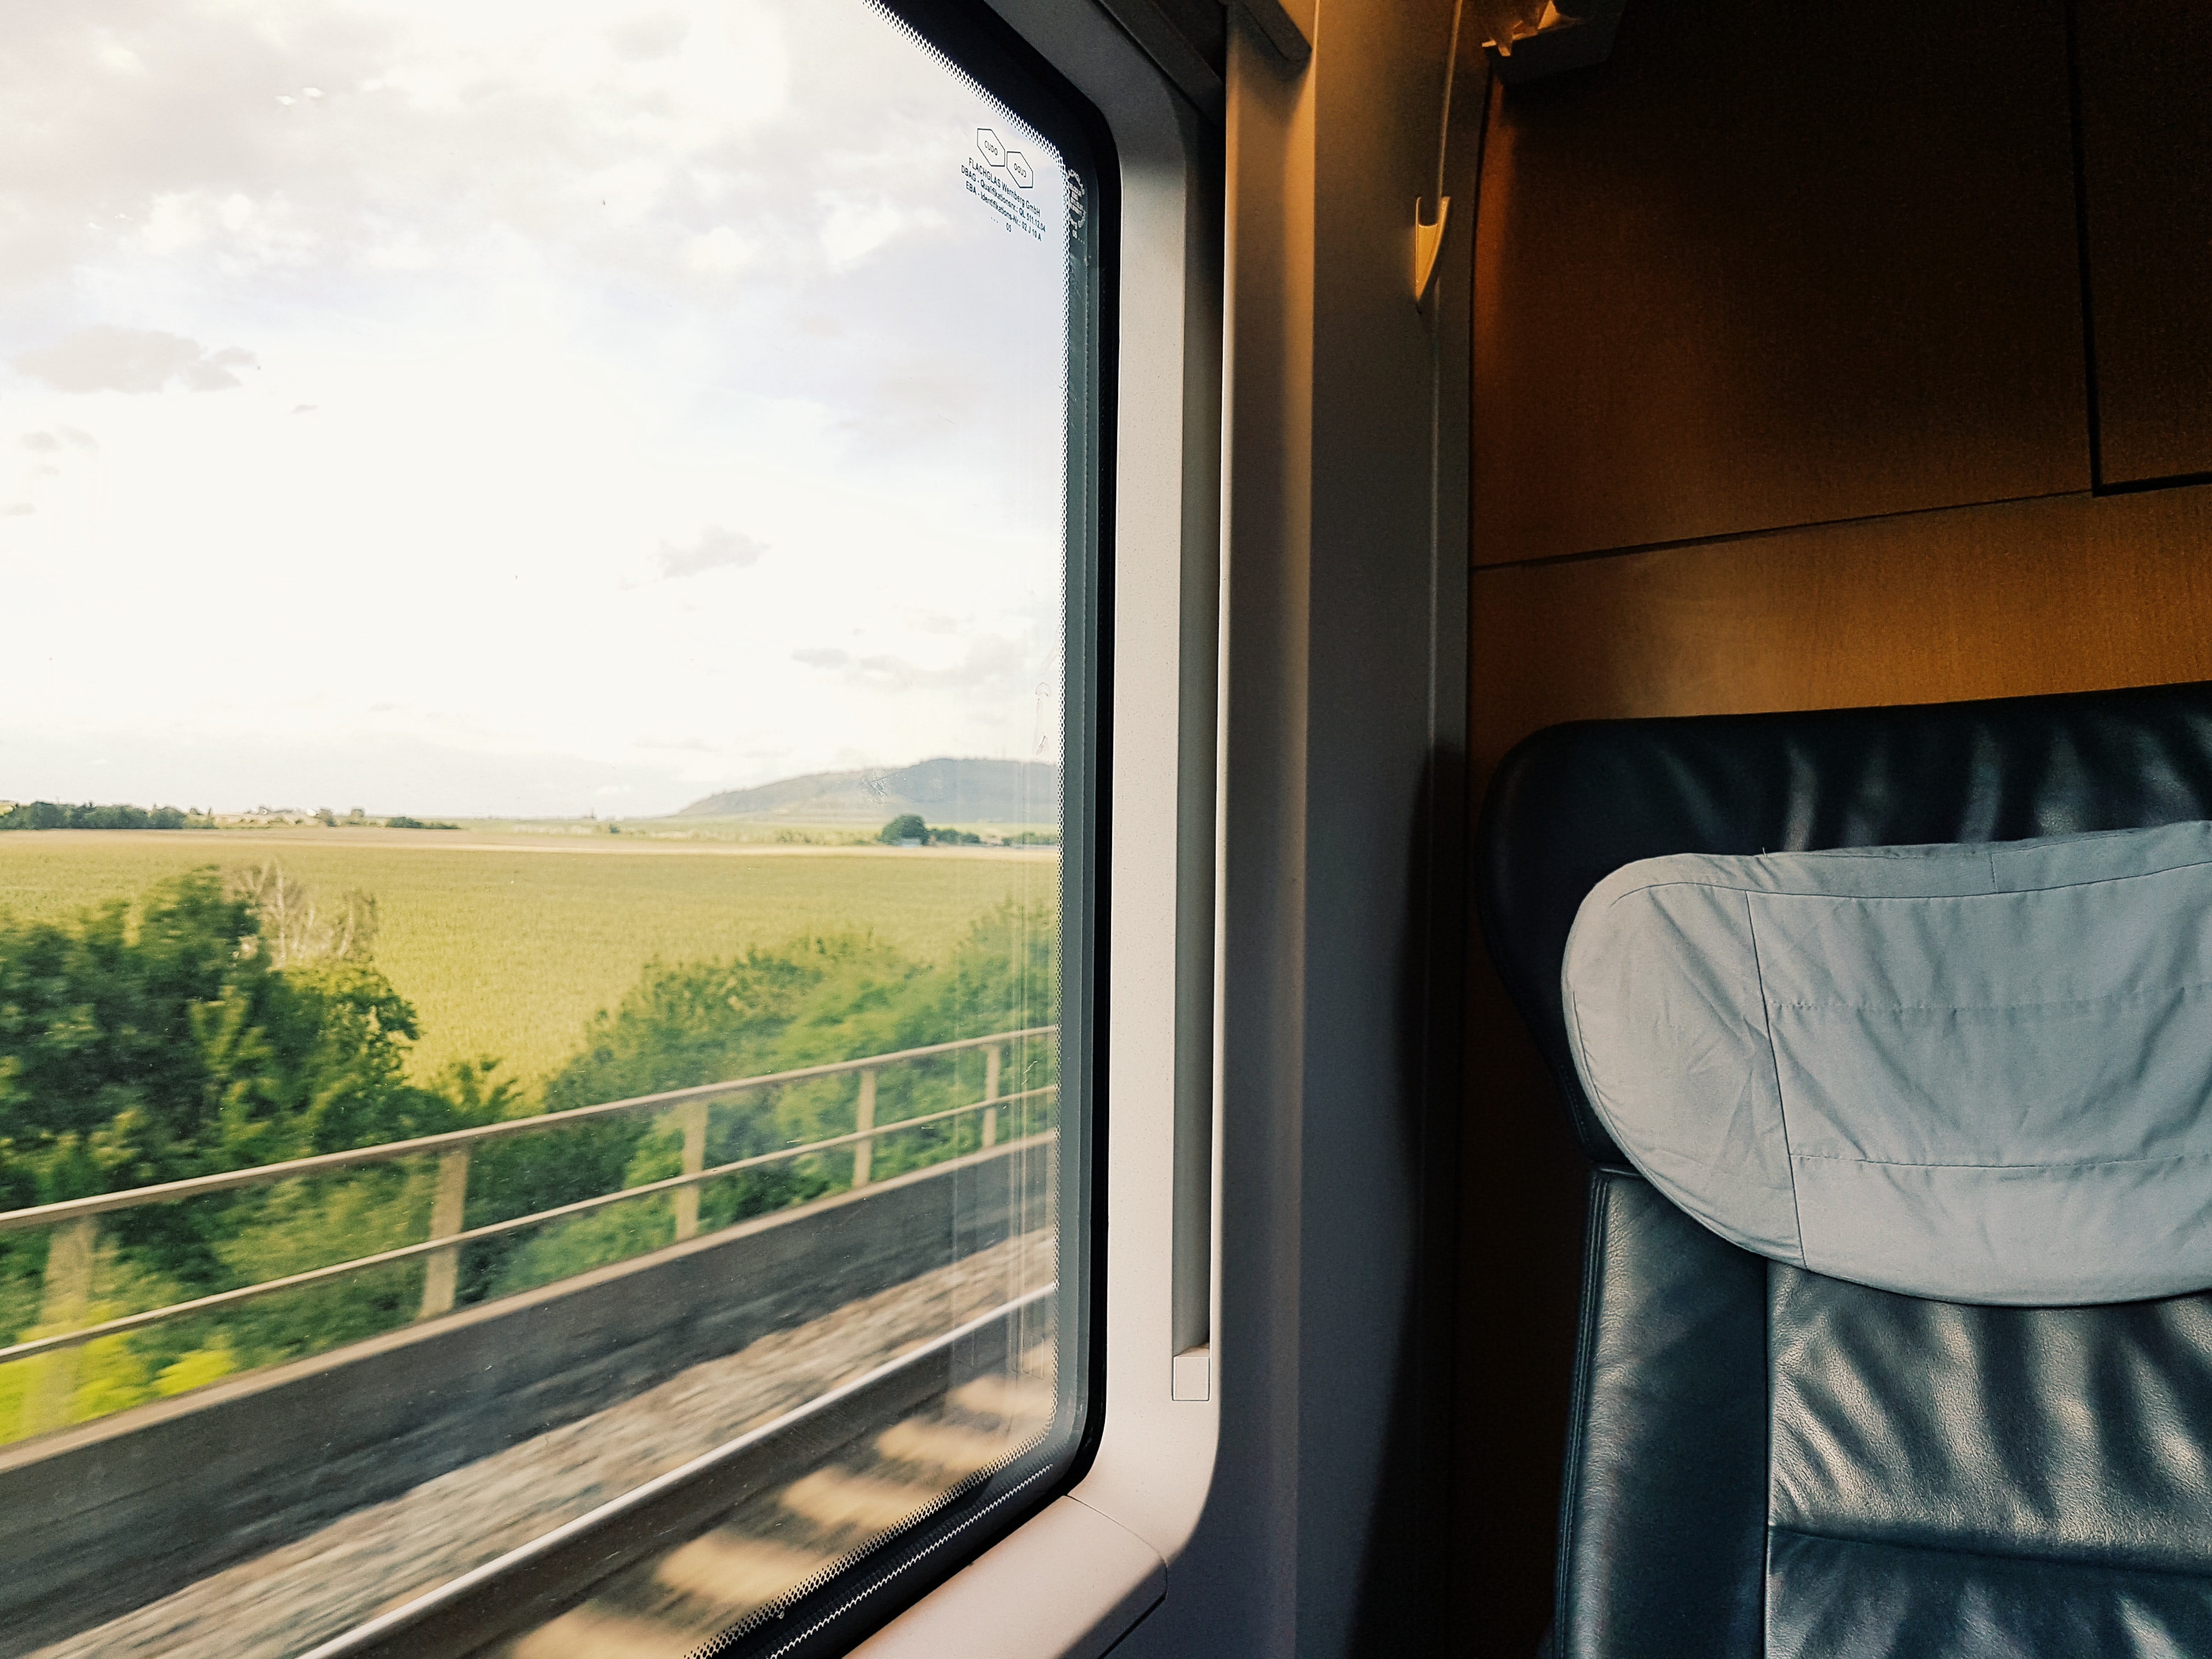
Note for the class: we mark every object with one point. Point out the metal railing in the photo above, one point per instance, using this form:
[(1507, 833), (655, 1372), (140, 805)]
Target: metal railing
[(67, 1297)]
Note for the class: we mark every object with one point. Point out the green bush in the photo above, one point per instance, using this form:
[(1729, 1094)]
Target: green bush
[(155, 1044), (811, 1002), (908, 827)]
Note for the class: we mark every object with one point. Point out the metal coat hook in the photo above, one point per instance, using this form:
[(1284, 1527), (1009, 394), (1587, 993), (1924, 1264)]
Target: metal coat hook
[(1556, 42)]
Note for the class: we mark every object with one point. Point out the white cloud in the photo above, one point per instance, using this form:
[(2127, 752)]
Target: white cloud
[(640, 39), (722, 251), (989, 661), (854, 227), (104, 358), (715, 549)]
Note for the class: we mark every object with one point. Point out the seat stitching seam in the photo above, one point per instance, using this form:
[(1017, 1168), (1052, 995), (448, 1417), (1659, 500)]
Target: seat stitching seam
[(1718, 886), (2108, 999), (2033, 1558), (1774, 1058), (2071, 1164), (1767, 1535), (1578, 1407)]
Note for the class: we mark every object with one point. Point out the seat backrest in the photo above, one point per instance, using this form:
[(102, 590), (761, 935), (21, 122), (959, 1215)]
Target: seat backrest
[(1767, 1463), (1574, 803)]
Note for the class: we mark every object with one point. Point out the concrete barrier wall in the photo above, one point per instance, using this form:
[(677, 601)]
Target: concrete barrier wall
[(108, 1517)]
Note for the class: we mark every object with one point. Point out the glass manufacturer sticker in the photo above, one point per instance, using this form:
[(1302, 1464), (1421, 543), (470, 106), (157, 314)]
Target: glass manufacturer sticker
[(998, 179)]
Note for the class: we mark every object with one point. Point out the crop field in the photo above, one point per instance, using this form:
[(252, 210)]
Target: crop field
[(506, 946)]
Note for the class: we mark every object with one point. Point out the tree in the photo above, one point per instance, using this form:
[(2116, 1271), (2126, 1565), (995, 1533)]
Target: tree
[(170, 1041), (907, 826), (296, 926)]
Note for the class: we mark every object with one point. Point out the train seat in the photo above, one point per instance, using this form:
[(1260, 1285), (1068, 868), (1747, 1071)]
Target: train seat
[(1995, 1443)]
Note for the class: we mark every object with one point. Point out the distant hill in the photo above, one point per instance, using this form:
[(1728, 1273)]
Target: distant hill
[(943, 791)]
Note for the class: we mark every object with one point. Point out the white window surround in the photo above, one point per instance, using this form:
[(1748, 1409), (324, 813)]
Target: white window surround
[(1079, 1574), (1248, 1523)]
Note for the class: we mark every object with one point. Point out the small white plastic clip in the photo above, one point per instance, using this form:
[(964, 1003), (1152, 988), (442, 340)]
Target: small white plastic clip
[(1428, 241)]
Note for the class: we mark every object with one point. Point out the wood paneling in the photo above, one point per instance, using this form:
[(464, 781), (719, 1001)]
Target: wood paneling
[(1776, 264), (2069, 593), (2147, 176)]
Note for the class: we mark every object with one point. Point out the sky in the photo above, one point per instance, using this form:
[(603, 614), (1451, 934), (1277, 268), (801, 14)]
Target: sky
[(490, 407)]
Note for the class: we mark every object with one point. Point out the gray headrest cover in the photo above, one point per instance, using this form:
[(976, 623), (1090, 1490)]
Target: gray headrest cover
[(1980, 1073)]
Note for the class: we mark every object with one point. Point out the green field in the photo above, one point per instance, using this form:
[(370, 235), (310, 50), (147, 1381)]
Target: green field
[(506, 948)]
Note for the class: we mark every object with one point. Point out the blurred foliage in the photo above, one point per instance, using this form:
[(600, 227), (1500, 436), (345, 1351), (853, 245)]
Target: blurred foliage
[(220, 1024), (817, 1000), (133, 1052)]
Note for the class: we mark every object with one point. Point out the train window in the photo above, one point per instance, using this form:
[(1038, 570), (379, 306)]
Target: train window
[(548, 830)]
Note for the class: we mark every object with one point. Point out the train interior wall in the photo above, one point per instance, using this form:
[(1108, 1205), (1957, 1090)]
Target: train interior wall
[(1823, 356)]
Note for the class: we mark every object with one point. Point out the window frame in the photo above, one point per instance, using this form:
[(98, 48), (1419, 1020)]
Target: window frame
[(974, 41), (1307, 1505), (1092, 1554)]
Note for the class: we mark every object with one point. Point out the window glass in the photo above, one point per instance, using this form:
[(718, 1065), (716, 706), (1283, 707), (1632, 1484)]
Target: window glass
[(543, 554)]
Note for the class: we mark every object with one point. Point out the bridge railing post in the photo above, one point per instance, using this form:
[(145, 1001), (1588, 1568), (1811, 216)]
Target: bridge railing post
[(449, 1207), (692, 1115), (864, 1150), (64, 1304), (991, 1063)]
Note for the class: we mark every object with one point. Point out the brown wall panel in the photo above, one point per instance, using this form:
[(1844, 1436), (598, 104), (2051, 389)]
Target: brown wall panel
[(2147, 179), (1777, 264), (2067, 593)]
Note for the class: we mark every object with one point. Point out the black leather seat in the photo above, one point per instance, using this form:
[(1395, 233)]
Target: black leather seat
[(1763, 1461)]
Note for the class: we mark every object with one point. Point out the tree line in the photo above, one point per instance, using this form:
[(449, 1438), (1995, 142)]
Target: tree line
[(54, 815), (907, 830)]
